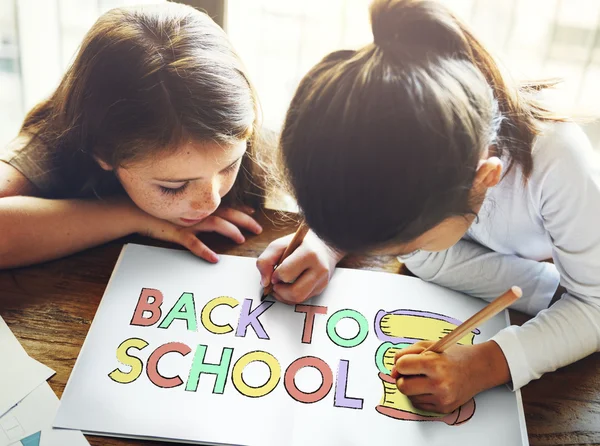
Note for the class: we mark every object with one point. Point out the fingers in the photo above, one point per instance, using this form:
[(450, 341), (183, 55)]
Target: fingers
[(421, 364), (427, 394), (425, 402), (220, 225), (191, 242), (305, 287), (304, 274), (411, 361), (415, 385), (269, 258), (240, 218), (433, 403), (248, 210), (299, 261), (413, 349), (164, 230)]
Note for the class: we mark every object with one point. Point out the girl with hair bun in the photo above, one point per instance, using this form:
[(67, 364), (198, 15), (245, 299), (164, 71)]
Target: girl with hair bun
[(417, 145)]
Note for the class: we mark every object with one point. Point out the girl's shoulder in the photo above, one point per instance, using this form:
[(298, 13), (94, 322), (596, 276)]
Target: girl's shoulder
[(566, 168), (55, 175), (562, 144), (30, 156)]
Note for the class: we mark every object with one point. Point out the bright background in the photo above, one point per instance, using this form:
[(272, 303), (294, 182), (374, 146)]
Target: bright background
[(279, 40)]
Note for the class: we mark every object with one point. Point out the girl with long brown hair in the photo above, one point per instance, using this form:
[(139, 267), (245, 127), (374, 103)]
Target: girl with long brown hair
[(152, 130), (417, 145)]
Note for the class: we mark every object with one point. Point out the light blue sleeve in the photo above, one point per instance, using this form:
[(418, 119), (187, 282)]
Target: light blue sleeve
[(570, 208), (478, 271)]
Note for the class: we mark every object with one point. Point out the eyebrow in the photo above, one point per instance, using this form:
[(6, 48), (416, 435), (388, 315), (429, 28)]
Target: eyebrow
[(183, 180)]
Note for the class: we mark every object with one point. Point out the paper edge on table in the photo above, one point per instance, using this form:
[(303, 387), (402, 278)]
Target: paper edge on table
[(150, 438), (521, 410), (108, 285)]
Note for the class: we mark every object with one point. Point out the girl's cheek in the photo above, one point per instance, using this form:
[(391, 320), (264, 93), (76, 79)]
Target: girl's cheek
[(157, 204), (227, 185), (169, 207)]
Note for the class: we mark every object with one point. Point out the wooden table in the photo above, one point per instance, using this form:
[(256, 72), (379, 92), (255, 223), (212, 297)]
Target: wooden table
[(50, 307)]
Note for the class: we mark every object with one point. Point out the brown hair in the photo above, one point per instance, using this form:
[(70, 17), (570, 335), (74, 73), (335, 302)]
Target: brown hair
[(382, 144), (145, 79)]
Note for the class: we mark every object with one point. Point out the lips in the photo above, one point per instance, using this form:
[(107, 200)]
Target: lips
[(192, 220)]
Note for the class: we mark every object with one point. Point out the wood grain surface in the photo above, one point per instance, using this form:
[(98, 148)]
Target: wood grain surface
[(50, 306)]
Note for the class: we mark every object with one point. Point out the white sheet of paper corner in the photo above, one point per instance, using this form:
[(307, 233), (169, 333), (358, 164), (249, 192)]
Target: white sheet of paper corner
[(7, 335), (20, 374), (36, 413), (28, 405)]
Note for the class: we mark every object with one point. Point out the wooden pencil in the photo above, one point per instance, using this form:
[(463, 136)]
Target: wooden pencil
[(296, 241), (489, 311)]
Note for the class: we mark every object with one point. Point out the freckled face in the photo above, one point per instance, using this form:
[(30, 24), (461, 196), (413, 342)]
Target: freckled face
[(186, 186)]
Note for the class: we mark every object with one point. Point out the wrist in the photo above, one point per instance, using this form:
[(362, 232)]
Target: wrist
[(129, 215), (334, 255), (492, 369)]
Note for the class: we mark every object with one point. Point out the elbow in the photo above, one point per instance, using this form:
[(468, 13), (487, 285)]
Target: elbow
[(424, 265), (5, 253), (6, 257), (10, 253)]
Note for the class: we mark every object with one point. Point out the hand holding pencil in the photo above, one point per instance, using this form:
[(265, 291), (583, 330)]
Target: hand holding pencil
[(296, 267), (296, 241), (439, 379)]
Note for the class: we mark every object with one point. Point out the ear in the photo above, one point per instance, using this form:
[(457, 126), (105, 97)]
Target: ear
[(103, 164), (489, 173)]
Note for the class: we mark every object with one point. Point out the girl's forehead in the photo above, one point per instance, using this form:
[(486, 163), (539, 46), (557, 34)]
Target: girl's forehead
[(198, 158), (210, 150)]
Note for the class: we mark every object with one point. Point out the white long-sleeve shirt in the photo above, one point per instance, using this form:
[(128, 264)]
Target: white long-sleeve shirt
[(556, 214)]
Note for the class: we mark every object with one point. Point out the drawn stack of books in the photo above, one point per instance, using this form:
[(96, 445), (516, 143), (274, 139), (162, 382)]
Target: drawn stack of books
[(400, 329)]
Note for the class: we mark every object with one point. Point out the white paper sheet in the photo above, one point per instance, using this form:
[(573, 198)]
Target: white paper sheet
[(19, 374), (36, 413), (7, 336), (328, 376), (27, 403)]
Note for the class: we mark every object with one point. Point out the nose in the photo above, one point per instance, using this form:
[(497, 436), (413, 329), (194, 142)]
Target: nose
[(208, 200)]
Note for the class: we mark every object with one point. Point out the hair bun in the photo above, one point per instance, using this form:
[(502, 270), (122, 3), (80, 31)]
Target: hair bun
[(420, 27), (384, 22)]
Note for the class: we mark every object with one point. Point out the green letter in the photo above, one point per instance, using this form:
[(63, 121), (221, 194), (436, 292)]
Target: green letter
[(352, 314), (199, 367), (183, 309)]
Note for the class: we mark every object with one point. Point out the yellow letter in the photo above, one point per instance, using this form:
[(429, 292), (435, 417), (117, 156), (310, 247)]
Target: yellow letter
[(211, 305), (131, 361), (262, 390)]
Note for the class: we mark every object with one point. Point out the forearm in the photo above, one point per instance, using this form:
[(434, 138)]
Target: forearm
[(34, 230), (476, 270)]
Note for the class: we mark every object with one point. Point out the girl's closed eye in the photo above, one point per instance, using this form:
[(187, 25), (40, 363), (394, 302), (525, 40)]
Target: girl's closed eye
[(231, 168), (173, 190)]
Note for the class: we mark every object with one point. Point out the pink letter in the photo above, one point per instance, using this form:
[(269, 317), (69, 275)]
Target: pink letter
[(152, 369), (309, 319), (310, 397), (146, 305)]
